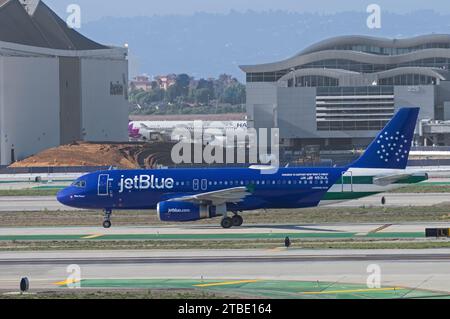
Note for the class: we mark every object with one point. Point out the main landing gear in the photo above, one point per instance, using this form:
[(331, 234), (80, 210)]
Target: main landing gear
[(107, 218), (235, 221)]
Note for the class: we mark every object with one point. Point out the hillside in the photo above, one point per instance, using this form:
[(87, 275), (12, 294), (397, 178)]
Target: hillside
[(205, 44)]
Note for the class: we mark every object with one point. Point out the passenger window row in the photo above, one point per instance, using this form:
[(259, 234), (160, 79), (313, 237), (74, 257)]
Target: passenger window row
[(238, 183)]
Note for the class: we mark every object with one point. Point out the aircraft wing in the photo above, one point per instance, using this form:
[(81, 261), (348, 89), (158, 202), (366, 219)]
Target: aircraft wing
[(147, 127), (389, 179), (230, 195)]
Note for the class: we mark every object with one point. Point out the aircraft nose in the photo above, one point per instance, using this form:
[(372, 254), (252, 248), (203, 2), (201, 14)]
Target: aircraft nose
[(63, 197)]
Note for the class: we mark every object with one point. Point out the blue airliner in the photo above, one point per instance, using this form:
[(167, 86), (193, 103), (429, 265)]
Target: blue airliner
[(181, 195)]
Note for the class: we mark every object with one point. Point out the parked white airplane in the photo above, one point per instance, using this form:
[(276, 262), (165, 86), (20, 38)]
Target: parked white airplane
[(213, 132)]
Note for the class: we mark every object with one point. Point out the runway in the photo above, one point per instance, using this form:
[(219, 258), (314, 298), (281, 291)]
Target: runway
[(275, 272), (398, 200), (254, 270), (214, 232), (31, 204), (49, 203), (407, 268), (223, 257)]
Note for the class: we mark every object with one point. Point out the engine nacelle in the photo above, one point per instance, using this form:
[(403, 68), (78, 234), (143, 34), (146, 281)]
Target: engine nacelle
[(183, 212)]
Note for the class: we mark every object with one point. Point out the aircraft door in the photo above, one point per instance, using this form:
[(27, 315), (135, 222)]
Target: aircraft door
[(347, 182), (103, 185), (195, 184), (204, 184)]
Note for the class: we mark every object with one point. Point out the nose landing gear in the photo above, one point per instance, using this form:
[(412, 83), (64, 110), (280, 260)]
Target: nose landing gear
[(107, 218)]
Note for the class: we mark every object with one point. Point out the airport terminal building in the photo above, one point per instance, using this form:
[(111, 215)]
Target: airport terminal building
[(340, 92), (56, 86)]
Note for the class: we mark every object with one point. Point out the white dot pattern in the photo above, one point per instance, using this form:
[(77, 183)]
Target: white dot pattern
[(393, 147)]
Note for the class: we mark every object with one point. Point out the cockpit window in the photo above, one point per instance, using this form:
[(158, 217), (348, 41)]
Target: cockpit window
[(79, 184)]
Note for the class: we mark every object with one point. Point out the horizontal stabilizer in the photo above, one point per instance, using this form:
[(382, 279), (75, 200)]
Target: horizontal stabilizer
[(389, 179), (410, 176)]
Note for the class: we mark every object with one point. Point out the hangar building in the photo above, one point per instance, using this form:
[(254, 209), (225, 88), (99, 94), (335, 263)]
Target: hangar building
[(56, 86)]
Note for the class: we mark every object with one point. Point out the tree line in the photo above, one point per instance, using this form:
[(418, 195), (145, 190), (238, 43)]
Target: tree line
[(189, 96)]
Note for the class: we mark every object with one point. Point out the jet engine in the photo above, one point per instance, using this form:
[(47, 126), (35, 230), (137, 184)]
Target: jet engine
[(183, 211)]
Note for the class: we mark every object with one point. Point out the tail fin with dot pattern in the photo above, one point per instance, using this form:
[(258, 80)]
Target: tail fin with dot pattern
[(390, 150)]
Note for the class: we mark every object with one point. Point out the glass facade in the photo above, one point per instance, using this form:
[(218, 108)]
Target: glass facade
[(266, 76), (442, 63), (408, 79), (313, 81), (349, 65), (389, 51)]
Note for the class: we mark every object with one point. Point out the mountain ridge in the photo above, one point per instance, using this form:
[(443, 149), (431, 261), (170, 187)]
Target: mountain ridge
[(206, 44)]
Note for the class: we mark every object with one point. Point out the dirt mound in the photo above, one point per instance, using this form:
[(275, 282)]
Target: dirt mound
[(121, 155)]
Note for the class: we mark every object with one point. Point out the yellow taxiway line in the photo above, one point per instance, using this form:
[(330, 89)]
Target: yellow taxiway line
[(93, 236), (67, 282), (380, 229), (227, 283)]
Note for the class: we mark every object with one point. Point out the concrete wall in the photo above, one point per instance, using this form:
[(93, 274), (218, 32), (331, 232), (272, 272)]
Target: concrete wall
[(104, 115), (443, 99), (29, 103), (297, 112), (70, 100), (2, 107), (423, 96), (261, 104), (446, 116)]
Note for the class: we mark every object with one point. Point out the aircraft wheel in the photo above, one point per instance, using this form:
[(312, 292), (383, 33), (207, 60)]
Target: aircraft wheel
[(227, 222), (107, 218), (237, 220)]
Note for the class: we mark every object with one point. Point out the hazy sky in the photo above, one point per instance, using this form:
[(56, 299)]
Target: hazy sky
[(95, 9)]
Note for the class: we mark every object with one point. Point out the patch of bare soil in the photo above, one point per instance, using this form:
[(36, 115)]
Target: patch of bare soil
[(121, 155)]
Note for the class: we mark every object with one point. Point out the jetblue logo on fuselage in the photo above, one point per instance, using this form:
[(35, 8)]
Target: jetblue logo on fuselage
[(144, 182)]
